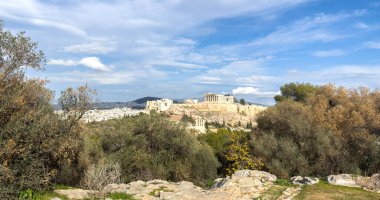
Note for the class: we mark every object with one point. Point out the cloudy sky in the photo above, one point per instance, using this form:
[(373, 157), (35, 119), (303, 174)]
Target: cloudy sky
[(127, 49)]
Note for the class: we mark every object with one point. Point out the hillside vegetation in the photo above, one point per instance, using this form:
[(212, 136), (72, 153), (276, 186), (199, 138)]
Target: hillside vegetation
[(330, 130)]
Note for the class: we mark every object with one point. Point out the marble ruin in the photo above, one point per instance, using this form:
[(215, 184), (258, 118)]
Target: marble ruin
[(200, 124), (159, 105), (218, 98)]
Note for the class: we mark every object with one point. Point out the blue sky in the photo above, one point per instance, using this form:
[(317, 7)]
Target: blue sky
[(185, 48)]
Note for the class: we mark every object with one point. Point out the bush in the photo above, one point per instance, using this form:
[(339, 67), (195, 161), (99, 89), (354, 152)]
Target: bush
[(232, 150), (331, 131), (96, 177), (35, 143), (150, 147)]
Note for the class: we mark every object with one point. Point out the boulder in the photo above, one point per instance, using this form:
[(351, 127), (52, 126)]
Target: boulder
[(370, 183), (75, 193), (299, 180), (343, 180), (243, 185)]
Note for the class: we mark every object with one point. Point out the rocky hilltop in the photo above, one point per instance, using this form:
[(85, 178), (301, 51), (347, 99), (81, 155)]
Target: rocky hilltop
[(243, 185), (234, 114)]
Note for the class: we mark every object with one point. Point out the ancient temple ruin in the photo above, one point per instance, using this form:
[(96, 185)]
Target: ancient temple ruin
[(218, 98)]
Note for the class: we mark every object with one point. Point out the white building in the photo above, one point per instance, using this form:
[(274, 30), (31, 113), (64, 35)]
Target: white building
[(218, 98), (191, 101), (159, 105)]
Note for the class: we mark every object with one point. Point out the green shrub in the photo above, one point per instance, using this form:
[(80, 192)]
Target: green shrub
[(328, 131), (150, 147), (35, 143)]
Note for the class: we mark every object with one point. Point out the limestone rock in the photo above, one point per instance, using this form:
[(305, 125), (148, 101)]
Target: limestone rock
[(343, 180), (290, 193), (75, 193), (243, 185), (370, 183), (299, 180)]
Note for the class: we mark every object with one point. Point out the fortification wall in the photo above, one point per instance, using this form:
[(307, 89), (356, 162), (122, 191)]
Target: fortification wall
[(249, 110)]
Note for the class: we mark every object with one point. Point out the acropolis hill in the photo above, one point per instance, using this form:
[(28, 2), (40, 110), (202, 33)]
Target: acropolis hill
[(215, 108)]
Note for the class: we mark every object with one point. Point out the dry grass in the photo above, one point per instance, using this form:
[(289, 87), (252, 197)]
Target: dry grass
[(325, 191)]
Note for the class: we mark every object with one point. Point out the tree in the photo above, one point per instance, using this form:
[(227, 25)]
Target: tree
[(242, 101), (238, 157), (333, 130), (150, 147), (295, 91), (34, 142)]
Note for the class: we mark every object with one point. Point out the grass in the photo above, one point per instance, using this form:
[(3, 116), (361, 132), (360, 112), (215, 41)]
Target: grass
[(325, 191), (48, 195), (283, 182), (120, 195), (272, 193)]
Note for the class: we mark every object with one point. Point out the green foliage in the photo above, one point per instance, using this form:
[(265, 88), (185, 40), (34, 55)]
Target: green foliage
[(150, 147), (120, 195), (283, 182), (187, 119), (295, 91), (238, 157), (242, 101), (332, 131), (27, 195), (35, 143), (232, 150)]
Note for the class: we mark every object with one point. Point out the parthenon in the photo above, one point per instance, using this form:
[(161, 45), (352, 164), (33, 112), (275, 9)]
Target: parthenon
[(218, 98)]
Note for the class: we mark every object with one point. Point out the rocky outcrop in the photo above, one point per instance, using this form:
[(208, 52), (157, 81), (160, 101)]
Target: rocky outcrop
[(75, 193), (343, 180), (243, 185), (290, 193), (368, 183), (299, 180)]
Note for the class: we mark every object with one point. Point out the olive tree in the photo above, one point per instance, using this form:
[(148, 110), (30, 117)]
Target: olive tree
[(35, 143)]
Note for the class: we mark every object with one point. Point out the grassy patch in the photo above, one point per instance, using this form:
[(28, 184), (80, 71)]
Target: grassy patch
[(283, 182), (272, 193), (48, 195), (325, 191), (120, 195)]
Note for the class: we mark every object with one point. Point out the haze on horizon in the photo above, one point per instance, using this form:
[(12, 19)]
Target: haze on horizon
[(182, 48)]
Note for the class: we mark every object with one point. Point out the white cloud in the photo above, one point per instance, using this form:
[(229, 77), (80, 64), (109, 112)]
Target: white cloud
[(372, 44), (62, 62), (253, 91), (177, 64), (309, 29), (94, 63), (375, 4), (98, 46), (361, 25), (90, 62), (329, 53)]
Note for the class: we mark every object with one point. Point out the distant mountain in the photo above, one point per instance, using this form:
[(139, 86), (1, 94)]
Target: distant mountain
[(145, 99)]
